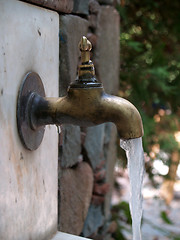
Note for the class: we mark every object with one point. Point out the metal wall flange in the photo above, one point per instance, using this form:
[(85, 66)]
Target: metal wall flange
[(30, 86)]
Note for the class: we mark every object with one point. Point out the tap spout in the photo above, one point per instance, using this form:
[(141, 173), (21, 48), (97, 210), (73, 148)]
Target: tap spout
[(124, 115), (88, 107)]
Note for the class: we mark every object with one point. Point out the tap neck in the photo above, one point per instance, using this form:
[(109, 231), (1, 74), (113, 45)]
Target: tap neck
[(86, 94)]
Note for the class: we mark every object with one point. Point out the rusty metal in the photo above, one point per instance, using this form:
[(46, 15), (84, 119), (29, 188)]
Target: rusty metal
[(30, 86), (86, 104)]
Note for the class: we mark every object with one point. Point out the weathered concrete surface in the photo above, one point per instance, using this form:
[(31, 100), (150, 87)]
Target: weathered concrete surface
[(72, 28), (106, 54), (28, 180), (65, 236), (75, 195), (65, 6), (71, 146)]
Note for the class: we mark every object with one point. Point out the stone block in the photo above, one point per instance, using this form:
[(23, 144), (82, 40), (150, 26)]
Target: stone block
[(100, 189), (99, 212), (94, 220), (106, 2), (109, 127), (71, 146), (65, 6), (92, 21), (93, 39), (76, 186), (109, 2), (106, 54), (72, 28), (94, 145), (81, 7), (110, 154), (94, 7)]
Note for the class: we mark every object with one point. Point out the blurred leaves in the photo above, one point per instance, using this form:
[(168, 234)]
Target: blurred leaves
[(122, 211), (136, 46), (150, 68), (168, 142), (118, 235), (121, 214), (165, 218)]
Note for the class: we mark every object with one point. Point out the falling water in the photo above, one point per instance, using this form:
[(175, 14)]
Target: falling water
[(135, 156)]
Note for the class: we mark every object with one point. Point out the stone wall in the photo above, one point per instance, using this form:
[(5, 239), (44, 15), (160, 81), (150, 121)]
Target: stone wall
[(86, 155)]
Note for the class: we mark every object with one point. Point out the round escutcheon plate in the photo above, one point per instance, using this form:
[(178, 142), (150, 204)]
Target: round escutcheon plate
[(31, 84)]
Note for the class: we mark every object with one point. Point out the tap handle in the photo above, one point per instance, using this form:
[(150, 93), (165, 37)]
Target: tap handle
[(86, 72), (85, 47)]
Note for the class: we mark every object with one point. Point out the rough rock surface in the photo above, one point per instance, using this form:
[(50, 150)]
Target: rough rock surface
[(107, 49), (94, 144), (65, 6), (71, 146), (81, 7), (93, 221), (72, 28), (76, 186)]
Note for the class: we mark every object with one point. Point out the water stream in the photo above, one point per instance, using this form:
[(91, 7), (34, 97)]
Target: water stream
[(135, 156)]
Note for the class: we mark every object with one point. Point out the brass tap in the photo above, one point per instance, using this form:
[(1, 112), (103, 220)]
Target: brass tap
[(86, 104)]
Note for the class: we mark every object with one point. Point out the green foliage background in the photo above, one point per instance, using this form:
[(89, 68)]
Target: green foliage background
[(150, 67), (150, 78)]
